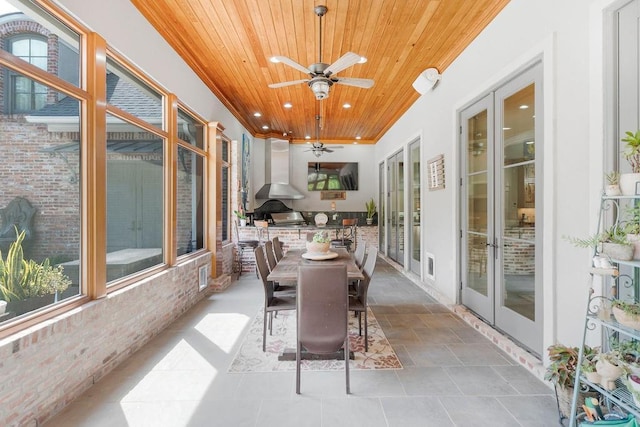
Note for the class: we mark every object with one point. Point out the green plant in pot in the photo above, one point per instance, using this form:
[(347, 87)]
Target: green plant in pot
[(611, 243), (241, 216), (630, 182), (319, 244), (626, 313), (371, 210), (22, 279), (563, 363), (610, 367), (612, 188)]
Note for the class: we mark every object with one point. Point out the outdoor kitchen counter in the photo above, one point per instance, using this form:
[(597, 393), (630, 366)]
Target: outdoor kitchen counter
[(295, 237)]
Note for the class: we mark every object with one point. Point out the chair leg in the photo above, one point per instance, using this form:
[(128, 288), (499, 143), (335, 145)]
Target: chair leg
[(271, 323), (359, 323), (264, 332), (297, 366), (346, 363), (366, 332)]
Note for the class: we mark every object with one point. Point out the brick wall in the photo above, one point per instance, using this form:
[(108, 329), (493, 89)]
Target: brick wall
[(46, 366)]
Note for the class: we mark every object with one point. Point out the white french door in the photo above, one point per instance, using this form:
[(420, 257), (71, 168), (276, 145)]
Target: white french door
[(501, 193)]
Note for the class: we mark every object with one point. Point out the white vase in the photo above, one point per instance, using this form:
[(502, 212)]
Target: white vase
[(243, 222), (629, 183), (369, 221)]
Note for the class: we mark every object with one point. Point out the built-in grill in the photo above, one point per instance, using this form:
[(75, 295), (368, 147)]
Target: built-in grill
[(277, 213), (287, 218)]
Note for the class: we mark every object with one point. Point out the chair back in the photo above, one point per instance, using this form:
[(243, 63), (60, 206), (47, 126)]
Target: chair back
[(369, 267), (271, 258), (322, 306), (263, 270), (277, 248), (358, 256), (262, 230)]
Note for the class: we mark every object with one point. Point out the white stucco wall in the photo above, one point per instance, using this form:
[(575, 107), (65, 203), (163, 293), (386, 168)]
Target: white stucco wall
[(567, 35)]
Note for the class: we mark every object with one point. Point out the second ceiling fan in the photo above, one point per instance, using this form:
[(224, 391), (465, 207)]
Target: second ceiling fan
[(322, 76), (318, 147)]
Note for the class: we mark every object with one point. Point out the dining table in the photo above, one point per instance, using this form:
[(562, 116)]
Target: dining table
[(286, 270)]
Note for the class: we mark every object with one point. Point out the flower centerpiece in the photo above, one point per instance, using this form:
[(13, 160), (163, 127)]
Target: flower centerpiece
[(319, 244)]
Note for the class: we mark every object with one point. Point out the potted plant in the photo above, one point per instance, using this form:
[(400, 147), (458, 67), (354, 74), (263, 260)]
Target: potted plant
[(371, 210), (613, 184), (627, 314), (562, 372), (242, 218), (319, 244), (610, 367), (629, 181), (26, 284), (612, 243)]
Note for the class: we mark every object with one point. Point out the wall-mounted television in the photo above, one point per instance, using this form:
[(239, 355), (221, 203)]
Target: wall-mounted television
[(323, 176)]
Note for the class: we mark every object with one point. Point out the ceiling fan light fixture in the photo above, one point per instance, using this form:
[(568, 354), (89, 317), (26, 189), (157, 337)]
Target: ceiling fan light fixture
[(362, 60), (274, 59), (320, 89)]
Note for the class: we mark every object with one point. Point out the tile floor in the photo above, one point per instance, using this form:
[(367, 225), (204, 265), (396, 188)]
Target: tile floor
[(452, 375)]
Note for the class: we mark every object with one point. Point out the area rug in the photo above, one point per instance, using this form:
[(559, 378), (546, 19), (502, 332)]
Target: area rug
[(251, 358)]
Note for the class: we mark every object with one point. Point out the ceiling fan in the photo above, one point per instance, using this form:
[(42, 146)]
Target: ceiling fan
[(318, 147), (322, 76)]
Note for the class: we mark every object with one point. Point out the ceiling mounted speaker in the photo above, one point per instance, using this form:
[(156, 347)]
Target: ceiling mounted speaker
[(427, 80)]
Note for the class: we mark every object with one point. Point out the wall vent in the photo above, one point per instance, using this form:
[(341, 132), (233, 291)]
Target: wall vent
[(203, 275)]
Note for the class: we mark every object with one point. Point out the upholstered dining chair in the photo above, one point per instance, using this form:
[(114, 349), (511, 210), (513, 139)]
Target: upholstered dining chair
[(358, 257), (358, 302), (322, 316), (277, 248), (347, 235), (272, 262), (273, 301)]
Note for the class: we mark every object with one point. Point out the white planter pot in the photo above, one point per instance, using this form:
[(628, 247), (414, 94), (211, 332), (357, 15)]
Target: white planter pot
[(243, 222), (618, 251), (609, 373), (3, 306), (634, 239), (612, 190), (317, 248), (629, 182)]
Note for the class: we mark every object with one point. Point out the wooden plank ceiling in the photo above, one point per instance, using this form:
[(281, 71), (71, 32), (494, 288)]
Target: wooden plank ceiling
[(229, 42)]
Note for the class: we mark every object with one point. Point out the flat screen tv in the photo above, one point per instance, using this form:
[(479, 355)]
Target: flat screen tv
[(323, 176)]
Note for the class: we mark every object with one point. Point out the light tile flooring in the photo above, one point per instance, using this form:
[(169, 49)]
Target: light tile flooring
[(452, 375)]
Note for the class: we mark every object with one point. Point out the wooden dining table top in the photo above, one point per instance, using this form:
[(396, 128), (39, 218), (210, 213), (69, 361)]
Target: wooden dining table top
[(287, 268)]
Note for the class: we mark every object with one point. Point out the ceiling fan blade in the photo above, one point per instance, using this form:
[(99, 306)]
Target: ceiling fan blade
[(327, 150), (291, 63), (348, 81), (345, 61), (283, 84)]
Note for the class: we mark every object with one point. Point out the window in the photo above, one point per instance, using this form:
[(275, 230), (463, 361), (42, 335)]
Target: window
[(25, 94), (190, 185), (225, 200)]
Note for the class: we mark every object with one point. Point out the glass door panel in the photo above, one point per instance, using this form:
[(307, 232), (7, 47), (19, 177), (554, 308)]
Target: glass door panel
[(414, 205)]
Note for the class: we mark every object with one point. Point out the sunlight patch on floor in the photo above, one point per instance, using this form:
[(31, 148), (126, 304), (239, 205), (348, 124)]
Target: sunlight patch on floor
[(223, 329)]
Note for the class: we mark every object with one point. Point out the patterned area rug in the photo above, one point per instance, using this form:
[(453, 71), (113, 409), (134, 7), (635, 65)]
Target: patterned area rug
[(251, 358)]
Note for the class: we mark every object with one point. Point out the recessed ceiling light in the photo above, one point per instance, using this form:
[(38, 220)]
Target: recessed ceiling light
[(256, 114), (358, 137), (346, 105), (524, 107), (362, 60), (288, 105), (265, 127), (355, 142), (307, 137)]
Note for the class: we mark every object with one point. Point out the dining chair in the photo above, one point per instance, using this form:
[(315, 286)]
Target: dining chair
[(322, 315), (358, 257), (271, 257), (272, 262), (273, 301), (277, 248), (358, 302), (347, 235)]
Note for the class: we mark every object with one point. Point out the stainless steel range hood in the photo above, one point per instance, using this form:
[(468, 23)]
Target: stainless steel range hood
[(277, 173)]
